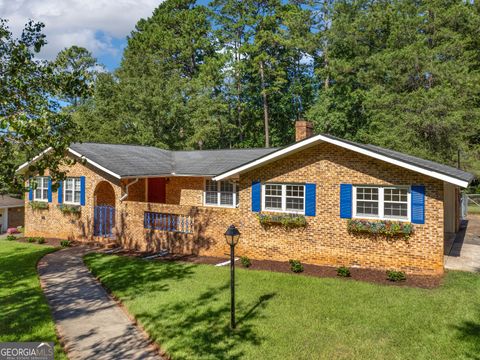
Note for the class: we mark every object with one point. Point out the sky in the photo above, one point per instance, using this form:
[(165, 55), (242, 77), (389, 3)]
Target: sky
[(101, 26)]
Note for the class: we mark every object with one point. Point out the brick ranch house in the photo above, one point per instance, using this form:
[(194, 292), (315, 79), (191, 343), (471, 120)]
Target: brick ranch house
[(182, 201)]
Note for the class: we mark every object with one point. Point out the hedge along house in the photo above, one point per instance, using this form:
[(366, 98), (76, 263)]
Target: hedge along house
[(322, 200)]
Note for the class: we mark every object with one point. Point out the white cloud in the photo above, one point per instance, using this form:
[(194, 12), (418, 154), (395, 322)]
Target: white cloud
[(89, 23)]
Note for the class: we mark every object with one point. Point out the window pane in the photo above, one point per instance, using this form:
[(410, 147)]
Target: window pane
[(396, 210), (294, 203), (69, 184), (211, 198), (226, 198), (365, 193), (77, 184), (367, 208), (226, 186), (45, 194), (77, 197), (274, 190), (396, 203), (68, 196), (295, 190), (210, 185), (38, 193), (273, 202)]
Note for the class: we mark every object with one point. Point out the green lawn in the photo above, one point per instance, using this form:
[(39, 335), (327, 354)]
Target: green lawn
[(185, 308), (473, 209), (24, 313)]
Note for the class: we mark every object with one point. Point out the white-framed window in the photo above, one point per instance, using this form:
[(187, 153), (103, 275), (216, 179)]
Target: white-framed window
[(288, 198), (41, 191), (220, 193), (71, 191), (381, 202)]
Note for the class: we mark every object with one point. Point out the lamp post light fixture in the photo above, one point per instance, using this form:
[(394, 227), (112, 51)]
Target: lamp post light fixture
[(231, 236)]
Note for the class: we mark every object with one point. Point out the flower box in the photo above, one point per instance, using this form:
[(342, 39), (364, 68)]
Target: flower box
[(386, 228), (288, 221), (38, 205), (69, 209)]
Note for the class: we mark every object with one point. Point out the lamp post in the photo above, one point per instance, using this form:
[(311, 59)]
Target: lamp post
[(231, 236)]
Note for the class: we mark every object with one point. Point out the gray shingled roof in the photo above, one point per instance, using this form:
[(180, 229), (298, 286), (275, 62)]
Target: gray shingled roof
[(134, 160), (9, 201), (413, 160)]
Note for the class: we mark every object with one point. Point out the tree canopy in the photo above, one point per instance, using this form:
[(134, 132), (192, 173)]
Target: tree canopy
[(31, 118), (403, 74)]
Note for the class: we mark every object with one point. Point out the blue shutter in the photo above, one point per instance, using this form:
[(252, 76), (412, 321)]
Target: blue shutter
[(346, 201), (256, 196), (82, 190), (310, 199), (30, 191), (418, 204), (60, 192), (49, 189)]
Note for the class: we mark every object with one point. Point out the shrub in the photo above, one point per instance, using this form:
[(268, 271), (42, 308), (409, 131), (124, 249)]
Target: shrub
[(11, 237), (41, 240), (296, 266), (246, 262), (65, 243), (31, 239), (343, 271), (393, 275), (38, 205)]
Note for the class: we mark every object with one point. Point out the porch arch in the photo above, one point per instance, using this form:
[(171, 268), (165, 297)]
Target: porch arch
[(104, 194)]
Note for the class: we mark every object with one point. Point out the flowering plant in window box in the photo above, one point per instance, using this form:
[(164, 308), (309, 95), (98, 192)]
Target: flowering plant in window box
[(386, 228), (288, 221), (38, 205), (69, 209)]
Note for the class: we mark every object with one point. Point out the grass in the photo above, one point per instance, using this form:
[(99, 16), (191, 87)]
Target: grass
[(24, 312), (473, 209), (185, 309)]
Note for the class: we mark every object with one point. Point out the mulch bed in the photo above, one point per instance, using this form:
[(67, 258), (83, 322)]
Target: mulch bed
[(361, 274), (49, 241)]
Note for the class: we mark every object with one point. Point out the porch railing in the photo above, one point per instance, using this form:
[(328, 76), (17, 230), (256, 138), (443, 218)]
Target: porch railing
[(168, 222)]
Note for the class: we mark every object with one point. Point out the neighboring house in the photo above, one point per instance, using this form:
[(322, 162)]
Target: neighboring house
[(11, 212), (150, 199)]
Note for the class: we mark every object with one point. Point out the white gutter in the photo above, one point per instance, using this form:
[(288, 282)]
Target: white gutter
[(124, 196), (318, 138), (24, 165), (97, 165)]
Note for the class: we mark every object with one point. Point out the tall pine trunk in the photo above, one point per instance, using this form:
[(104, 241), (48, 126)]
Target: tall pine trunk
[(265, 106)]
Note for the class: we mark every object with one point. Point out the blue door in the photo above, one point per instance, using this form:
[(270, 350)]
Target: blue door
[(104, 220)]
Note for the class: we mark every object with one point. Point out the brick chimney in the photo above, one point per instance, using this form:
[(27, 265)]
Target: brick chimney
[(303, 129)]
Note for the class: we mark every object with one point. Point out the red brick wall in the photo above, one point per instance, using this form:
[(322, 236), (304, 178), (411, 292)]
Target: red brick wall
[(16, 217), (324, 241)]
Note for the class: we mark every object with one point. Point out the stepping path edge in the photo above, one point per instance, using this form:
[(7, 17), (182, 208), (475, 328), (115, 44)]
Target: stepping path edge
[(153, 350)]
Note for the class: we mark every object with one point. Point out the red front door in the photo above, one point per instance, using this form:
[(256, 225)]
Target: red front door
[(156, 190)]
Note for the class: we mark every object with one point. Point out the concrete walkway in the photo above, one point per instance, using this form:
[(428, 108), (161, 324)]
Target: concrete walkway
[(465, 252), (92, 325)]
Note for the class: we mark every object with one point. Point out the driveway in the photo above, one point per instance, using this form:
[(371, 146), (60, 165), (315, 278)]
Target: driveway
[(465, 252), (91, 324)]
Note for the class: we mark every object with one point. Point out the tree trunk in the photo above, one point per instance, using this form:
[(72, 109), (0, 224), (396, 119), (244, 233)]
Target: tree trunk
[(265, 106)]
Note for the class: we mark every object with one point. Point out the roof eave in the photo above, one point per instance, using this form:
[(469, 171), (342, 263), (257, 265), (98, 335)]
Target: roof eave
[(319, 138)]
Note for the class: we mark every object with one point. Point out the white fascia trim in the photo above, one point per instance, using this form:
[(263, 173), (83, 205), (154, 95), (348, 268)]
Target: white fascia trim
[(12, 206), (318, 138), (98, 166), (24, 165)]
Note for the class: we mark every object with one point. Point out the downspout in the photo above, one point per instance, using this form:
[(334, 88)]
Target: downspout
[(124, 196)]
